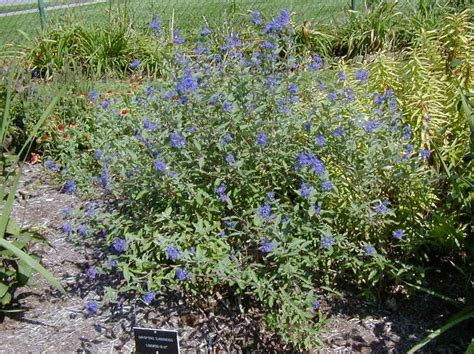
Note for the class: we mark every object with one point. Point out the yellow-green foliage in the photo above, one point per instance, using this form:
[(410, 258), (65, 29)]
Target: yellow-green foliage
[(427, 80)]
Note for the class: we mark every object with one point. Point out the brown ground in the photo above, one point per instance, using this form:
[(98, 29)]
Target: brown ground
[(55, 324)]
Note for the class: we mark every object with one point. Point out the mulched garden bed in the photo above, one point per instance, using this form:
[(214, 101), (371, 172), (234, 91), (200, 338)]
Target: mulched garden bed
[(49, 322)]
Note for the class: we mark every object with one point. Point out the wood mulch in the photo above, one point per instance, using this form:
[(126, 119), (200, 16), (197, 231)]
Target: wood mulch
[(54, 323)]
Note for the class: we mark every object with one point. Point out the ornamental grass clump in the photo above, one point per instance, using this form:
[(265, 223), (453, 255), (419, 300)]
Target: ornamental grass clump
[(258, 176)]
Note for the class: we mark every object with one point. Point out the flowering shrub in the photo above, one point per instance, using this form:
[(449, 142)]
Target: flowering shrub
[(247, 174)]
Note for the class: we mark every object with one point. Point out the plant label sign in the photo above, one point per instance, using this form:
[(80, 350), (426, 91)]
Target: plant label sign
[(158, 341)]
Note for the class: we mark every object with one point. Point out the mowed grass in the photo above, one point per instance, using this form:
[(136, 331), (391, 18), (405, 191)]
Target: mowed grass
[(186, 15), (33, 5)]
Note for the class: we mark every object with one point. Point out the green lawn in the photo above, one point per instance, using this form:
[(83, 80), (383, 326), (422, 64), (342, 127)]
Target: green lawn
[(188, 14), (29, 6)]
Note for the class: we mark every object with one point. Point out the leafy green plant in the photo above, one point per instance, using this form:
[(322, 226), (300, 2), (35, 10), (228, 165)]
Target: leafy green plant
[(86, 49), (464, 315), (16, 265), (370, 31)]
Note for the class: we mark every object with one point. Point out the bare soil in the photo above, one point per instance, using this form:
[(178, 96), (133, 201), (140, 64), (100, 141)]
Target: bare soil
[(59, 324)]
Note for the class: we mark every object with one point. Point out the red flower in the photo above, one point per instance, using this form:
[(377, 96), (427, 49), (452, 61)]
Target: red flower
[(124, 112), (34, 158)]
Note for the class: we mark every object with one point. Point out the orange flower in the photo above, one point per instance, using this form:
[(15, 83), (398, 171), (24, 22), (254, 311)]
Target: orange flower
[(124, 112), (34, 158), (61, 127)]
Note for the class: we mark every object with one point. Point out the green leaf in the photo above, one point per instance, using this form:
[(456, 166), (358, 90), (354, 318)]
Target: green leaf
[(6, 299), (12, 228), (32, 263), (470, 348), (8, 206), (3, 289), (464, 315), (24, 272)]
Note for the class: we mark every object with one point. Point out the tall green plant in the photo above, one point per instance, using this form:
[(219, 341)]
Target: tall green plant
[(16, 264)]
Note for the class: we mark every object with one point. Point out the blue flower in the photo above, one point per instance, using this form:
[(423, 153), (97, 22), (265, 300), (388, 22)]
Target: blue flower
[(407, 130), (315, 306), (278, 23), (69, 186), (155, 24), (226, 139), (192, 129), (379, 99), (82, 231), (173, 253), (149, 91), (361, 75), (285, 219), (188, 83), (112, 263), (306, 190), (371, 125), (200, 49), (148, 297), (282, 106), (271, 81), (182, 274), (398, 234), (332, 96), (159, 165), (326, 186), (53, 167), (256, 18), (382, 207), (317, 209), (91, 273), (205, 31), (230, 224), (177, 39), (369, 249), (120, 245), (267, 246), (98, 154), (67, 228), (320, 140), (265, 212), (271, 195), (338, 132), (227, 106), (92, 307), (221, 192), (104, 178), (261, 138), (213, 100), (327, 242), (268, 46), (222, 233), (134, 64), (392, 104), (309, 160), (177, 140), (316, 63), (230, 159), (93, 95), (341, 76), (148, 125), (232, 42), (425, 153), (293, 89), (105, 103)]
